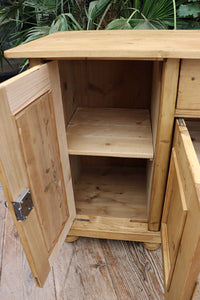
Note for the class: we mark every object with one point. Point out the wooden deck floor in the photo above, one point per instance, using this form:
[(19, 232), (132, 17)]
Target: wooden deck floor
[(85, 270)]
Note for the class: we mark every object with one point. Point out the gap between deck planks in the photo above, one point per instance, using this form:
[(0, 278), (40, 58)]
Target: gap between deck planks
[(85, 270)]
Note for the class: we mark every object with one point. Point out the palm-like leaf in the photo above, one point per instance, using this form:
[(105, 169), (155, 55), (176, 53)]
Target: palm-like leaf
[(150, 14), (96, 9), (119, 24)]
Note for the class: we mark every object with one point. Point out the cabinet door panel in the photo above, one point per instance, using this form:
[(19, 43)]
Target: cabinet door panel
[(174, 218), (180, 224), (34, 156), (36, 126)]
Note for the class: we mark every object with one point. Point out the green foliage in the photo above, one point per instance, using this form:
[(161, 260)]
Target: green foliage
[(189, 10), (119, 24), (96, 10), (150, 14), (190, 13)]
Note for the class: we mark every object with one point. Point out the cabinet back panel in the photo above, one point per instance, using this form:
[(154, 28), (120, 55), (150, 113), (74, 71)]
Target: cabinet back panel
[(122, 84), (80, 162), (93, 161), (125, 84)]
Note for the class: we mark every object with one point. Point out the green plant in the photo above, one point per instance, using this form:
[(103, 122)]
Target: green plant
[(190, 12), (25, 20), (149, 14)]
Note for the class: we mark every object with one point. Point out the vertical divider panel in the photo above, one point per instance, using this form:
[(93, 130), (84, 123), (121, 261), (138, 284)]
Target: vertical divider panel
[(155, 105), (170, 76)]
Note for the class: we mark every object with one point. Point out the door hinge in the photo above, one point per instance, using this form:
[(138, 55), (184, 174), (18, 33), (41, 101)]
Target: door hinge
[(23, 205)]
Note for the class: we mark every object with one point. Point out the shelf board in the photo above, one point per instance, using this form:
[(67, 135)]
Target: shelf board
[(110, 132), (112, 192)]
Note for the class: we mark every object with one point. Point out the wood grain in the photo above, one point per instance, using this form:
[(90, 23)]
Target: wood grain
[(35, 62), (103, 84), (57, 108), (14, 180), (174, 217), (135, 272), (113, 228), (104, 44), (72, 270), (24, 88), (155, 98), (163, 141), (187, 266), (39, 142), (129, 265), (112, 192), (110, 132), (71, 86), (187, 113), (154, 113), (83, 274), (48, 121), (188, 91), (17, 281)]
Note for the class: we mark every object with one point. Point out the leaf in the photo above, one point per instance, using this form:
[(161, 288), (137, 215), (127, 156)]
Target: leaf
[(36, 32), (59, 24), (188, 10), (77, 26), (97, 8), (118, 24), (145, 24)]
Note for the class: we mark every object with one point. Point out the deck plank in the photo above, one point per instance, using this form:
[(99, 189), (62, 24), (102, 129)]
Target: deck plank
[(86, 269), (81, 272), (136, 272), (16, 279)]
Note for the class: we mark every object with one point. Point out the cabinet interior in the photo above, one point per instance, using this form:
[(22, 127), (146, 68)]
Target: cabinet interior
[(114, 187), (111, 113)]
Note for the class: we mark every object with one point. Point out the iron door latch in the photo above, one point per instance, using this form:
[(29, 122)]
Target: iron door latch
[(23, 205)]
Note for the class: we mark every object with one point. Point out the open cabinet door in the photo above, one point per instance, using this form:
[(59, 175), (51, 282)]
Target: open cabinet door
[(181, 218), (34, 164)]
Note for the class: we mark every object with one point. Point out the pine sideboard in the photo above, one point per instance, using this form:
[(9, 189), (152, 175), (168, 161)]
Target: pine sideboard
[(101, 138)]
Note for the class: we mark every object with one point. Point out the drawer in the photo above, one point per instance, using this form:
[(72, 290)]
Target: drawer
[(188, 100), (181, 216)]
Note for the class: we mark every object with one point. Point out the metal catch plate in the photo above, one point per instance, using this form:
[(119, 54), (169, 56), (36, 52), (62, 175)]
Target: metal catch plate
[(23, 205), (181, 122)]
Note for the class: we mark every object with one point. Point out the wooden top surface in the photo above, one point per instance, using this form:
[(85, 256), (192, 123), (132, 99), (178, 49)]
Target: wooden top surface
[(156, 44)]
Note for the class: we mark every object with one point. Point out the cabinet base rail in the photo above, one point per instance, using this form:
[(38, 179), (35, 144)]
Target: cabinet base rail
[(114, 228)]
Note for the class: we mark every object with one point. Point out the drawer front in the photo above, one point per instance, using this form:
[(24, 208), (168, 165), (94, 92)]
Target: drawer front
[(189, 88), (181, 218)]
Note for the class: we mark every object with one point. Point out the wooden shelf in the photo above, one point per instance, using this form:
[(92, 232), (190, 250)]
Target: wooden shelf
[(112, 192), (110, 132)]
